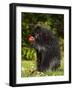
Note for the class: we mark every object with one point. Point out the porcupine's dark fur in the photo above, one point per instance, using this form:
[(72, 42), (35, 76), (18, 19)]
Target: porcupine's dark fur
[(47, 48)]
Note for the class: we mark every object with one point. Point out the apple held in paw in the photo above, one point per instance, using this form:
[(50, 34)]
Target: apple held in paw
[(31, 38)]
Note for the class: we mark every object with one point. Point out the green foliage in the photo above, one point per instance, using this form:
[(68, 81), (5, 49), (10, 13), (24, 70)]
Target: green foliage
[(28, 53)]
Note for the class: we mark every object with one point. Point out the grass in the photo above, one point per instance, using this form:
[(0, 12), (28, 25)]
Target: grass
[(28, 69)]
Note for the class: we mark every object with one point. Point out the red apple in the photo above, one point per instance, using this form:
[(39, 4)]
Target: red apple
[(31, 38)]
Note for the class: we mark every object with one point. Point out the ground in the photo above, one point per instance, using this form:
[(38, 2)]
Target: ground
[(28, 69)]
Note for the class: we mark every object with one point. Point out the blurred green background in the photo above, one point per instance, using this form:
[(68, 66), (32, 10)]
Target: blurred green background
[(54, 22)]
